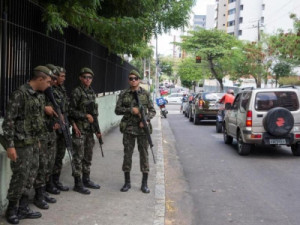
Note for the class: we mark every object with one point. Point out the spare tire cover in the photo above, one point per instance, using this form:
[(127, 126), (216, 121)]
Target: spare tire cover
[(278, 121)]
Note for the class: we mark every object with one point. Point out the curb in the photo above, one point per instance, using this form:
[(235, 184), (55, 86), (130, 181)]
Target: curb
[(159, 214)]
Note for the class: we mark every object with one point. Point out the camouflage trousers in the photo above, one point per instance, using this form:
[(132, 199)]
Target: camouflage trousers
[(83, 154), (60, 153), (129, 143), (46, 159), (24, 171)]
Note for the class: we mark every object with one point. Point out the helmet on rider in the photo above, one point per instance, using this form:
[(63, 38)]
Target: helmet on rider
[(230, 91)]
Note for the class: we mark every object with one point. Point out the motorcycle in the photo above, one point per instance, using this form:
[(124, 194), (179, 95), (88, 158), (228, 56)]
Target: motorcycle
[(220, 117), (161, 102)]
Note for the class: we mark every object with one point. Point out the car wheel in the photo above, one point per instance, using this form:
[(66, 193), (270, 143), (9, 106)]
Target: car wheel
[(296, 149), (243, 148), (227, 139), (190, 117), (219, 127), (196, 120)]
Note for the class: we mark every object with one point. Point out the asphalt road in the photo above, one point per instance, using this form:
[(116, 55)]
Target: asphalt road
[(223, 187)]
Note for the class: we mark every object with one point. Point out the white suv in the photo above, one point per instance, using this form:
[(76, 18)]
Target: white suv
[(264, 116)]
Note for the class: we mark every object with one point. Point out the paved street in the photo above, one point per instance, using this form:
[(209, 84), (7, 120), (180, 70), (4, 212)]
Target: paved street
[(222, 187)]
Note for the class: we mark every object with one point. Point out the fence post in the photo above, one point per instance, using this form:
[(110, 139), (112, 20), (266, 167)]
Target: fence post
[(3, 62)]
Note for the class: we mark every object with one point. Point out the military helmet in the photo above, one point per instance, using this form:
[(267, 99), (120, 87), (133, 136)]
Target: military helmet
[(134, 72), (61, 69), (45, 70), (86, 70), (53, 68)]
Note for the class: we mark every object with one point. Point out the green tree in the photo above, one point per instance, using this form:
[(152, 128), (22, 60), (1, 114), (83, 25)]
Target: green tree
[(213, 46), (281, 69), (124, 26)]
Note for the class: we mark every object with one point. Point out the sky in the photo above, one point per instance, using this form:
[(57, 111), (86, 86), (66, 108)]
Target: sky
[(164, 46)]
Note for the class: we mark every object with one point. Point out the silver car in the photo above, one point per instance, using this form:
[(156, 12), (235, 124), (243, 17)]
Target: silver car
[(264, 116)]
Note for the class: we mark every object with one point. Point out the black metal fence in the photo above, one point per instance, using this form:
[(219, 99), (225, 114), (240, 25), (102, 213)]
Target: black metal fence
[(24, 45)]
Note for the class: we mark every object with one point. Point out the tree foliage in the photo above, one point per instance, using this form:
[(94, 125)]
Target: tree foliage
[(124, 26)]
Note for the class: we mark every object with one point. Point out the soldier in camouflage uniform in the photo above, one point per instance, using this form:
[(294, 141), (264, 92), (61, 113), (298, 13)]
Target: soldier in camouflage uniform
[(132, 128), (60, 95), (83, 138), (22, 126), (47, 152)]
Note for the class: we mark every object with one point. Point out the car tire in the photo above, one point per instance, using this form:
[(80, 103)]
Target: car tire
[(219, 127), (274, 126), (243, 148), (196, 120), (227, 139), (296, 149), (190, 117)]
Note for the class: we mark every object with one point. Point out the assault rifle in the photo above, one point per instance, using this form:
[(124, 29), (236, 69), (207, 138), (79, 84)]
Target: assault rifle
[(63, 123), (146, 128), (90, 109)]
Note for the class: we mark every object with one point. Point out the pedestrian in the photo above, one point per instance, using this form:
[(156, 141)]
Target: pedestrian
[(47, 152), (82, 99), (132, 128), (22, 126), (60, 96), (228, 97)]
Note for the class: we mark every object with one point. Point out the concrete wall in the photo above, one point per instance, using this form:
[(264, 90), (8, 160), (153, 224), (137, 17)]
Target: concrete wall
[(107, 119)]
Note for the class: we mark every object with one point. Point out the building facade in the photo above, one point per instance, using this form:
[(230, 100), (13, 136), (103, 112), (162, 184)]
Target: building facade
[(199, 21)]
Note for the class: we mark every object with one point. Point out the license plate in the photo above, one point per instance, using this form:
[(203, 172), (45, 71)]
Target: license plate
[(277, 141)]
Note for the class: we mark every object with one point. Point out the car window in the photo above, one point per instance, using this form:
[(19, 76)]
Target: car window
[(235, 104), (212, 96), (244, 101), (265, 101)]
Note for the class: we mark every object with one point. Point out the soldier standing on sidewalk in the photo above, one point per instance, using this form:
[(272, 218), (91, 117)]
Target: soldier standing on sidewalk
[(60, 95), (47, 153), (22, 126), (132, 128), (83, 133)]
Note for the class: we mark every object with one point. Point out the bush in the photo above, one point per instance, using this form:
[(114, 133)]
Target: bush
[(292, 80)]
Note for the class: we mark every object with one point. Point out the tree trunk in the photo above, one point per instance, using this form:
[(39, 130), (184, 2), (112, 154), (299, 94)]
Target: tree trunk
[(215, 74)]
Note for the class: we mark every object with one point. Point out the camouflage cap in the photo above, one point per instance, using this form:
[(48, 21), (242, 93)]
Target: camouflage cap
[(86, 70), (45, 70), (61, 69), (134, 72), (53, 68)]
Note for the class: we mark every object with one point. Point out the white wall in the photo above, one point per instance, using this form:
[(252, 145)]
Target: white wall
[(210, 17)]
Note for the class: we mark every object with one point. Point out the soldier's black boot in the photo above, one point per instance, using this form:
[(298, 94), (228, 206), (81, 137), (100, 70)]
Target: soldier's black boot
[(79, 186), (51, 188), (47, 197), (144, 186), (127, 184), (58, 184), (39, 200), (25, 212), (88, 183), (11, 213)]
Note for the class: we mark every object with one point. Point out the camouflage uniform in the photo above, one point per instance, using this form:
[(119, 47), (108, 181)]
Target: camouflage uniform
[(129, 126), (83, 145), (22, 125), (60, 95)]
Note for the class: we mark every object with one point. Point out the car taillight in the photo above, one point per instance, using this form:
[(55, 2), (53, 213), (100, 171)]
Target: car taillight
[(249, 119), (297, 136), (258, 136), (200, 103)]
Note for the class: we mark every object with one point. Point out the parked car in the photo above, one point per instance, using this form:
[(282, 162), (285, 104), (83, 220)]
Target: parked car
[(164, 91), (264, 116), (205, 106), (174, 98)]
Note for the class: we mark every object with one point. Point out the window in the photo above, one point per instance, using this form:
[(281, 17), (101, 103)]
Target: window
[(263, 6), (265, 101), (244, 101), (231, 23), (230, 1), (241, 7), (231, 33), (240, 32), (231, 11), (262, 19), (241, 20), (236, 102)]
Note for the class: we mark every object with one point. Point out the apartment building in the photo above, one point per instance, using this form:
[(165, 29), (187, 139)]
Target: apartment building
[(199, 21), (221, 14)]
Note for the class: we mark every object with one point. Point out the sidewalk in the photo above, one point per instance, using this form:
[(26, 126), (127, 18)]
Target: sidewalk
[(109, 206)]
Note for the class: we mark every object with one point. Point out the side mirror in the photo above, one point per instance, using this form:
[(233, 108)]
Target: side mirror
[(227, 106)]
